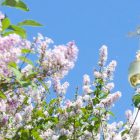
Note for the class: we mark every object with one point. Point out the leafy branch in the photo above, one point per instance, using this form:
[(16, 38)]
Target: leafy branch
[(18, 4)]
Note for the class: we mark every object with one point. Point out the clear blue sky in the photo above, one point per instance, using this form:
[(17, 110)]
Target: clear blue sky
[(91, 23)]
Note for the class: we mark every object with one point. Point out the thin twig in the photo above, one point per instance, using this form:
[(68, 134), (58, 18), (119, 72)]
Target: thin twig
[(134, 120)]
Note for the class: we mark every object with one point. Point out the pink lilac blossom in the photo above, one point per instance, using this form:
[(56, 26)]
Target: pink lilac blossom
[(110, 69), (108, 87), (97, 74), (87, 89), (59, 88), (10, 50), (109, 101), (2, 16), (57, 61), (86, 84)]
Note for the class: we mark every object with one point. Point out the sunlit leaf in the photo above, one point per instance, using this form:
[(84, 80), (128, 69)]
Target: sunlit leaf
[(29, 23), (18, 30), (124, 132), (13, 64), (136, 100), (5, 23), (16, 4), (2, 95), (25, 51)]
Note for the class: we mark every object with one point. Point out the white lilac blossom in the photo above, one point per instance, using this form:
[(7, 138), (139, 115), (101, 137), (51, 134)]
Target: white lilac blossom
[(102, 55), (86, 97), (2, 106), (2, 16), (18, 117), (86, 84), (86, 79), (129, 114)]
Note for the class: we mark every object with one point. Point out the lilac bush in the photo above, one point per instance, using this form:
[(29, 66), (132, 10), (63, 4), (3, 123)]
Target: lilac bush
[(27, 113)]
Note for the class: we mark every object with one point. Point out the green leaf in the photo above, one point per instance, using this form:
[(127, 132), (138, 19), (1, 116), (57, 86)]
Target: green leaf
[(111, 113), (95, 119), (97, 126), (13, 64), (32, 75), (53, 101), (64, 137), (136, 100), (124, 132), (36, 135), (38, 113), (96, 101), (29, 23), (25, 51), (25, 83), (17, 4), (18, 30), (17, 73), (2, 95), (5, 23), (26, 60), (84, 110), (25, 135), (15, 70)]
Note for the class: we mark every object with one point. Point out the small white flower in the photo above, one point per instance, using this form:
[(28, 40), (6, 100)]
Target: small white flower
[(18, 117), (86, 97)]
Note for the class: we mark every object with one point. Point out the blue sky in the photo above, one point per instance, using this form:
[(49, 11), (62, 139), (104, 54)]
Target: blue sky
[(91, 23)]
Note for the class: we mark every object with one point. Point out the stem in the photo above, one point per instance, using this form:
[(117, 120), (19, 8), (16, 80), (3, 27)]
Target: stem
[(92, 135), (134, 120), (74, 130), (102, 129)]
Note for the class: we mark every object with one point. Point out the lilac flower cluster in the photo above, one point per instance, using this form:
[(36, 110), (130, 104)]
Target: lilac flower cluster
[(10, 50), (58, 61), (102, 55)]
